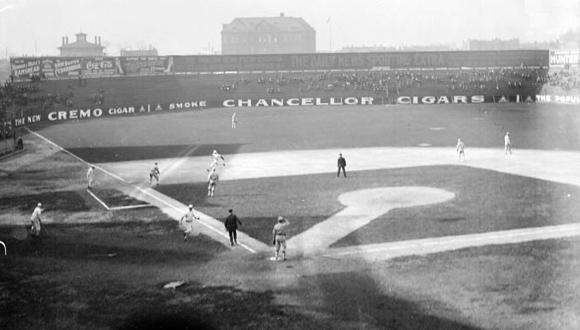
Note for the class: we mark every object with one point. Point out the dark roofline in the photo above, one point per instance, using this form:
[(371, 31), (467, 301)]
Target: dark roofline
[(240, 20)]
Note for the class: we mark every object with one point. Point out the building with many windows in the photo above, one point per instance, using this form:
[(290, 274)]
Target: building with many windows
[(268, 35), (138, 52), (495, 44), (81, 47)]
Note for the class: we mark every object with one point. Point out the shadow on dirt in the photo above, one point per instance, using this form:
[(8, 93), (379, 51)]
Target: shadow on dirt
[(54, 200), (115, 243), (359, 298), (155, 320)]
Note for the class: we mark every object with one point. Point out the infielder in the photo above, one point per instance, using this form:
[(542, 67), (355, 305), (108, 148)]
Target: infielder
[(460, 149), (186, 222), (90, 176), (154, 174), (212, 180), (279, 237), (507, 143), (217, 159)]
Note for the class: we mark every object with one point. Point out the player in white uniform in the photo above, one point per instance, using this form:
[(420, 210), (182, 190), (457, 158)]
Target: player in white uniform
[(90, 176), (234, 120), (460, 149), (212, 180), (217, 159), (36, 228), (279, 237), (154, 174), (187, 222), (507, 143)]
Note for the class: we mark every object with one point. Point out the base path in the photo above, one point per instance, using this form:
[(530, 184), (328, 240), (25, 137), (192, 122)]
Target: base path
[(557, 166), (362, 207)]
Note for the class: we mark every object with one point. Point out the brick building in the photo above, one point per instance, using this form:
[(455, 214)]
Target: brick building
[(268, 35), (81, 47)]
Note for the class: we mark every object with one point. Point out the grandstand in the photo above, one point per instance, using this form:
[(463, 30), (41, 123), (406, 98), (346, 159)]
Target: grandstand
[(43, 86)]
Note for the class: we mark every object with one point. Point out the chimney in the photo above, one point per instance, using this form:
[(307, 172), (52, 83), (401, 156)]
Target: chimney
[(66, 40), (63, 41), (281, 14), (99, 40), (96, 43)]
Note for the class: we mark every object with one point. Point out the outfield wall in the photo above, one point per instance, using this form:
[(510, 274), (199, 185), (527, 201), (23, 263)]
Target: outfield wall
[(99, 67)]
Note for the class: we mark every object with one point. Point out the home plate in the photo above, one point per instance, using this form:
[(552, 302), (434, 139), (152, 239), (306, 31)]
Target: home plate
[(437, 128), (424, 144)]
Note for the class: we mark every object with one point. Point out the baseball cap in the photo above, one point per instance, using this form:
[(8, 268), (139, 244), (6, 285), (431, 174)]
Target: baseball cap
[(190, 206), (280, 218), (39, 204)]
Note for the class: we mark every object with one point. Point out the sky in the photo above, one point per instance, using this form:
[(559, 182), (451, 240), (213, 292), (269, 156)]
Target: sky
[(175, 27)]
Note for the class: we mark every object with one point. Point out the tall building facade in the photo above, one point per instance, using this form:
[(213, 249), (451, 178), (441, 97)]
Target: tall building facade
[(495, 44), (268, 35), (81, 47)]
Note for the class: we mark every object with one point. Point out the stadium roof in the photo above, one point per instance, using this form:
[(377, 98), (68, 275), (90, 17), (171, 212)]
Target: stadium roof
[(280, 23)]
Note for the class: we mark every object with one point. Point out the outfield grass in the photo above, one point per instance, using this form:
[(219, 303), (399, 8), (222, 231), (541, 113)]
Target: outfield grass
[(485, 201), (534, 126)]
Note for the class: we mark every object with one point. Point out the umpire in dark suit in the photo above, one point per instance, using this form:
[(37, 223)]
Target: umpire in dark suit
[(231, 224), (341, 163)]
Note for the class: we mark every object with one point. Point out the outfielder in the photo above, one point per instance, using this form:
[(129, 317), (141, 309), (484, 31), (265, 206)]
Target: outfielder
[(460, 149), (154, 174), (212, 180), (279, 237), (186, 222), (90, 176), (234, 120), (217, 159), (507, 143)]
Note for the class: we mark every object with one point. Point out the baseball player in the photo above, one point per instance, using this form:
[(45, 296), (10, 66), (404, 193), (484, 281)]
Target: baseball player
[(341, 164), (90, 176), (460, 149), (154, 174), (212, 180), (234, 120), (279, 237), (507, 143), (186, 222), (217, 158), (36, 226)]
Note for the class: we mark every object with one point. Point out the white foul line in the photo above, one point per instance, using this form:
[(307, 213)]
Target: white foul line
[(75, 156), (448, 243), (139, 188), (203, 223), (128, 207), (98, 199)]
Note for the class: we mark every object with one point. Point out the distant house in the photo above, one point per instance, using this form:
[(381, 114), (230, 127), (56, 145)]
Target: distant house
[(81, 47), (268, 35)]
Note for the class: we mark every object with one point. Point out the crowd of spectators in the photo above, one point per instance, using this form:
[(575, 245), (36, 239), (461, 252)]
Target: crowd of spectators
[(568, 80), (395, 82)]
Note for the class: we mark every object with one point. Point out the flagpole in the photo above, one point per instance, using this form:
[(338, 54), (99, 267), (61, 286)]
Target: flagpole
[(329, 34)]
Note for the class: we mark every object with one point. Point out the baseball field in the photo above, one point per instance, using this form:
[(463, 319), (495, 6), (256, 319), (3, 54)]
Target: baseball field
[(411, 238)]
